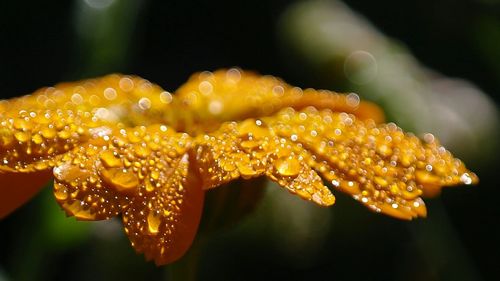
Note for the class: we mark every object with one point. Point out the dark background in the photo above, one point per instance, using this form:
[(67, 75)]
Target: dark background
[(165, 42)]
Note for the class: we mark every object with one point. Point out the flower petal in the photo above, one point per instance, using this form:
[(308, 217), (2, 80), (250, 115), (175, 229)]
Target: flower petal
[(144, 173), (36, 128), (16, 189), (162, 224), (379, 165), (250, 149), (235, 95)]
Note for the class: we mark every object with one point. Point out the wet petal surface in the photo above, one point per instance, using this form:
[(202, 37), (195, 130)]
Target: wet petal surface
[(120, 145)]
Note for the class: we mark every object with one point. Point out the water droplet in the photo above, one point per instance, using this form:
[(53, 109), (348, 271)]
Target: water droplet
[(166, 97), (288, 166), (41, 165), (6, 137), (382, 182), (144, 103), (64, 134), (233, 75), (48, 133), (215, 107), (249, 144), (228, 166), (79, 210), (109, 160), (427, 178), (466, 178), (60, 192), (205, 88), (120, 179), (352, 100), (22, 136), (155, 175), (360, 67), (110, 93), (278, 90), (22, 124), (154, 221), (76, 98), (246, 170), (148, 184), (419, 207), (384, 150), (142, 151), (37, 139)]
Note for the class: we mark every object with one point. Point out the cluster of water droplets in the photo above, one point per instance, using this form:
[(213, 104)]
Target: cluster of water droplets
[(378, 164)]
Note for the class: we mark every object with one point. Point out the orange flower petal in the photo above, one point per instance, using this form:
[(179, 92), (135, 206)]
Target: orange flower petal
[(110, 154), (250, 149), (163, 224), (142, 173), (233, 95), (36, 128), (16, 189), (379, 165)]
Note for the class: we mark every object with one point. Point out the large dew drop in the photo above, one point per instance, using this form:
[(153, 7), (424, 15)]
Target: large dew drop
[(153, 222), (287, 166), (120, 179)]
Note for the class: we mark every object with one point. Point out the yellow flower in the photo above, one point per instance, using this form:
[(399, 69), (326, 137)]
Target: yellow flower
[(121, 145)]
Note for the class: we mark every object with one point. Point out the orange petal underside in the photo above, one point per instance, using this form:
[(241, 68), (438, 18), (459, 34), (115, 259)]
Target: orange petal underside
[(17, 188)]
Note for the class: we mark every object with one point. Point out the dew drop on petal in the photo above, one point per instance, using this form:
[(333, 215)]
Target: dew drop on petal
[(166, 97), (60, 192), (120, 179), (109, 160), (466, 178), (154, 221), (287, 166), (144, 103)]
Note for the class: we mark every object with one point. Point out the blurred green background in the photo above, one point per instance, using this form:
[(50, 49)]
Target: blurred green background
[(433, 65)]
